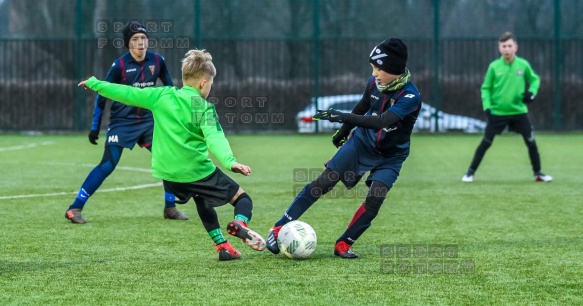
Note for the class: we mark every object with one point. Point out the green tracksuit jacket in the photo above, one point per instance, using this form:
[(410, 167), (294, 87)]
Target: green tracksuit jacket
[(504, 85), (186, 128)]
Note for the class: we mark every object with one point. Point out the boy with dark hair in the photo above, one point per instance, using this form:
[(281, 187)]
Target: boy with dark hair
[(128, 125), (384, 120), (186, 128), (505, 101)]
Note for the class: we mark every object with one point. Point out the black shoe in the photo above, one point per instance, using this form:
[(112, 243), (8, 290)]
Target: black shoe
[(344, 250), (174, 214), (272, 245), (74, 215)]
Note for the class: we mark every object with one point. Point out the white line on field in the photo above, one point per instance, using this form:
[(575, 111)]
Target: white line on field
[(93, 166), (26, 146), (68, 193), (82, 165)]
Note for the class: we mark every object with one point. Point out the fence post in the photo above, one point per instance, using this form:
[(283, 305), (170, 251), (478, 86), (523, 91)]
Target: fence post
[(196, 24), (79, 100), (436, 92), (557, 112), (316, 54)]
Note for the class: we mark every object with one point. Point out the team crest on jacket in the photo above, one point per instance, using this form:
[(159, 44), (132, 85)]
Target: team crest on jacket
[(152, 68), (519, 73)]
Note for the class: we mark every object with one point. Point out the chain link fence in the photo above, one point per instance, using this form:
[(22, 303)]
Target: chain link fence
[(272, 57)]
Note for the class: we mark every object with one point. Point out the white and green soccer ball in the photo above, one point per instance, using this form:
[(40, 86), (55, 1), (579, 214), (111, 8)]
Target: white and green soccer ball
[(297, 239)]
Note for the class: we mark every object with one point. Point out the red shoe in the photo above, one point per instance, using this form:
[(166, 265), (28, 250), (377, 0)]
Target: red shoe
[(239, 229), (344, 250), (227, 252)]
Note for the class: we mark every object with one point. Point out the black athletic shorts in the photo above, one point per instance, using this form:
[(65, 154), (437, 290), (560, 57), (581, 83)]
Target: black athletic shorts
[(516, 123), (214, 190)]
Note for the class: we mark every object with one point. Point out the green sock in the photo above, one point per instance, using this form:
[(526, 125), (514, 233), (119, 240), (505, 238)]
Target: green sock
[(242, 218), (217, 236)]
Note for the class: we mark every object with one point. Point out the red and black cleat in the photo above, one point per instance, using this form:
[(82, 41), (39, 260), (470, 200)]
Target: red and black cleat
[(240, 230), (344, 250), (227, 252)]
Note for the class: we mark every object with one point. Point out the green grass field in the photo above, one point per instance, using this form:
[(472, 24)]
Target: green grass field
[(507, 239)]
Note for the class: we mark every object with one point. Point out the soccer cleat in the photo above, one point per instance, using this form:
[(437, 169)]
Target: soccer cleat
[(541, 177), (468, 178), (251, 238), (174, 214), (344, 250), (74, 214), (272, 245), (227, 252)]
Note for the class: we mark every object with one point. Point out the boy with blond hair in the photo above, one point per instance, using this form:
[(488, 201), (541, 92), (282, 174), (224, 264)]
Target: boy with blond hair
[(186, 128)]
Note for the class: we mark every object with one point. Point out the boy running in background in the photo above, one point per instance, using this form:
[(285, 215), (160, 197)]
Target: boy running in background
[(186, 128)]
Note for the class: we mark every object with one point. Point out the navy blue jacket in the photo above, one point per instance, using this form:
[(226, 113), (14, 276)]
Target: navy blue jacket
[(126, 70), (405, 103)]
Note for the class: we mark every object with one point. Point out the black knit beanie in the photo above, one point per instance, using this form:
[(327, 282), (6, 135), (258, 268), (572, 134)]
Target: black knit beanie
[(390, 56), (130, 29)]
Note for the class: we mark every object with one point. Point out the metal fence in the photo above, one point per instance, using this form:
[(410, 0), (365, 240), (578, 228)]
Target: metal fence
[(270, 67)]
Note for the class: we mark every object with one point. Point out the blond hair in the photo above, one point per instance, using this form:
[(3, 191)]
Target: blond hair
[(197, 64)]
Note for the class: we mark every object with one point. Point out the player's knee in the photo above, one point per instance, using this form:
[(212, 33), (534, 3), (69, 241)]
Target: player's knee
[(529, 140), (110, 159), (244, 197), (325, 182), (373, 204), (107, 167), (485, 144), (375, 198)]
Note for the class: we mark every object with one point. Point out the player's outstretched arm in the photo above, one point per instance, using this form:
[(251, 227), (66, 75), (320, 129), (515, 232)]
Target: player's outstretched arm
[(134, 96), (386, 119)]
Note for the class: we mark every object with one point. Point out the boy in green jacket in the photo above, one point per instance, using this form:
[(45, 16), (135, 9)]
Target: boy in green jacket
[(186, 128), (505, 101)]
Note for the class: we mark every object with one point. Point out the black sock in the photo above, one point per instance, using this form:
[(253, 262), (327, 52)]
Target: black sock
[(243, 208)]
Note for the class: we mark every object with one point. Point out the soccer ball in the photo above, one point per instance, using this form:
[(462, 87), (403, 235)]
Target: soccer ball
[(297, 239)]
